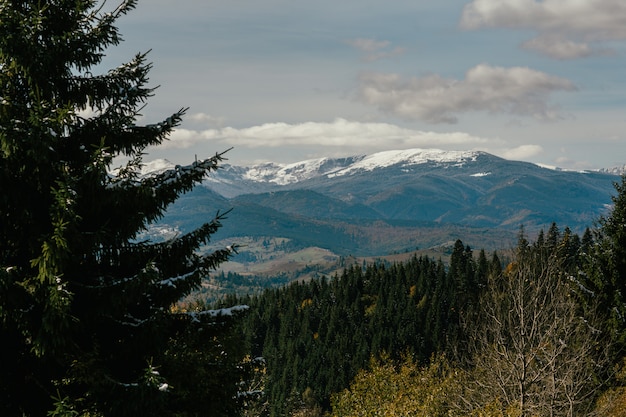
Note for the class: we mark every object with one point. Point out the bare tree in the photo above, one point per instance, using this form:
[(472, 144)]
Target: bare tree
[(533, 351)]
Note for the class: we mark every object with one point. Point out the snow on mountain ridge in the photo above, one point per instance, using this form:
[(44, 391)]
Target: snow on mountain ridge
[(262, 172), (408, 157), (283, 174), (271, 173), (618, 170), (156, 166), (299, 171)]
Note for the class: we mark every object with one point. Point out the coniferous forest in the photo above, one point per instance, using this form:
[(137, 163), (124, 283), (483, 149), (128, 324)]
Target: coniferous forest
[(532, 331), (91, 317), (316, 335)]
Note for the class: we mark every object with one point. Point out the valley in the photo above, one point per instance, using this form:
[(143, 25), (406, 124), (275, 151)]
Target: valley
[(298, 220)]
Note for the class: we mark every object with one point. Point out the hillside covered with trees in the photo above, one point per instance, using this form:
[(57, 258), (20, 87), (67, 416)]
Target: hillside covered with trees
[(316, 335), (537, 330), (97, 322)]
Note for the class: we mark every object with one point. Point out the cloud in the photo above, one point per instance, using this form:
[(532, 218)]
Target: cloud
[(565, 162), (522, 152), (559, 48), (375, 50), (206, 119), (517, 90), (566, 29), (339, 133)]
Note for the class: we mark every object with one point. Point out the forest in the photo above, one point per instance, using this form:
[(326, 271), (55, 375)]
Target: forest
[(534, 330), (96, 322)]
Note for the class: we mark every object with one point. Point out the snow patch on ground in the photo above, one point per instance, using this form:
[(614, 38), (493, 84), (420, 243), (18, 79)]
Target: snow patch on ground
[(229, 311)]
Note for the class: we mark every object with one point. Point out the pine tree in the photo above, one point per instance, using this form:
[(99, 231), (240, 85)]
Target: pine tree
[(85, 307)]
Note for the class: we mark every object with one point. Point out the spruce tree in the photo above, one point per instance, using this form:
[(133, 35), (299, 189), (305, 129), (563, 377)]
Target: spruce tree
[(86, 311), (608, 277)]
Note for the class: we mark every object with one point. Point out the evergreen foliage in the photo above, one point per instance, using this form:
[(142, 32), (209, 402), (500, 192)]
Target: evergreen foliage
[(538, 337), (606, 273), (320, 336), (86, 321), (88, 316), (317, 335), (537, 342)]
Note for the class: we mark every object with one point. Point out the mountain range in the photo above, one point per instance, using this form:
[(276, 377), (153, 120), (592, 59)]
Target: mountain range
[(392, 201)]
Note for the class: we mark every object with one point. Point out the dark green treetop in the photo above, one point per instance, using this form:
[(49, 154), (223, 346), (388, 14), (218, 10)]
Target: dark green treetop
[(85, 307), (608, 275)]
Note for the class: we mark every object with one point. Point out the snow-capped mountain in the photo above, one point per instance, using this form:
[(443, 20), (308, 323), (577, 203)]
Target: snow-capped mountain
[(233, 180), (304, 170), (156, 166), (619, 170), (333, 202), (299, 171)]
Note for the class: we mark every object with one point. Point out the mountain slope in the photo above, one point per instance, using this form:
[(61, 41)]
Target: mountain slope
[(335, 203), (471, 188)]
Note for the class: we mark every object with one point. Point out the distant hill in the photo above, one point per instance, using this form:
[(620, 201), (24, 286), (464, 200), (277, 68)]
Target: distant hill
[(394, 201)]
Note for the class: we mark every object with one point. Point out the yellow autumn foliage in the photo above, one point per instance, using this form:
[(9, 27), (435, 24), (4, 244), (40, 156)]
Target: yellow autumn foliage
[(388, 389)]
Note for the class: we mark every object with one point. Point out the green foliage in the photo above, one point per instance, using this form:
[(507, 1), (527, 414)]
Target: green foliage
[(409, 308), (207, 370), (87, 320), (606, 272), (536, 337), (63, 407), (422, 308), (535, 343), (85, 309)]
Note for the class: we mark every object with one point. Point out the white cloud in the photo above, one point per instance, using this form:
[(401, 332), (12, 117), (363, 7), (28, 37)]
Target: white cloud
[(522, 152), (339, 133), (566, 29), (559, 48), (517, 90), (375, 50), (206, 119)]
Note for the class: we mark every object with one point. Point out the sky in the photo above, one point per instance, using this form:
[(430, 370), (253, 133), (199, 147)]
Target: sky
[(286, 81)]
